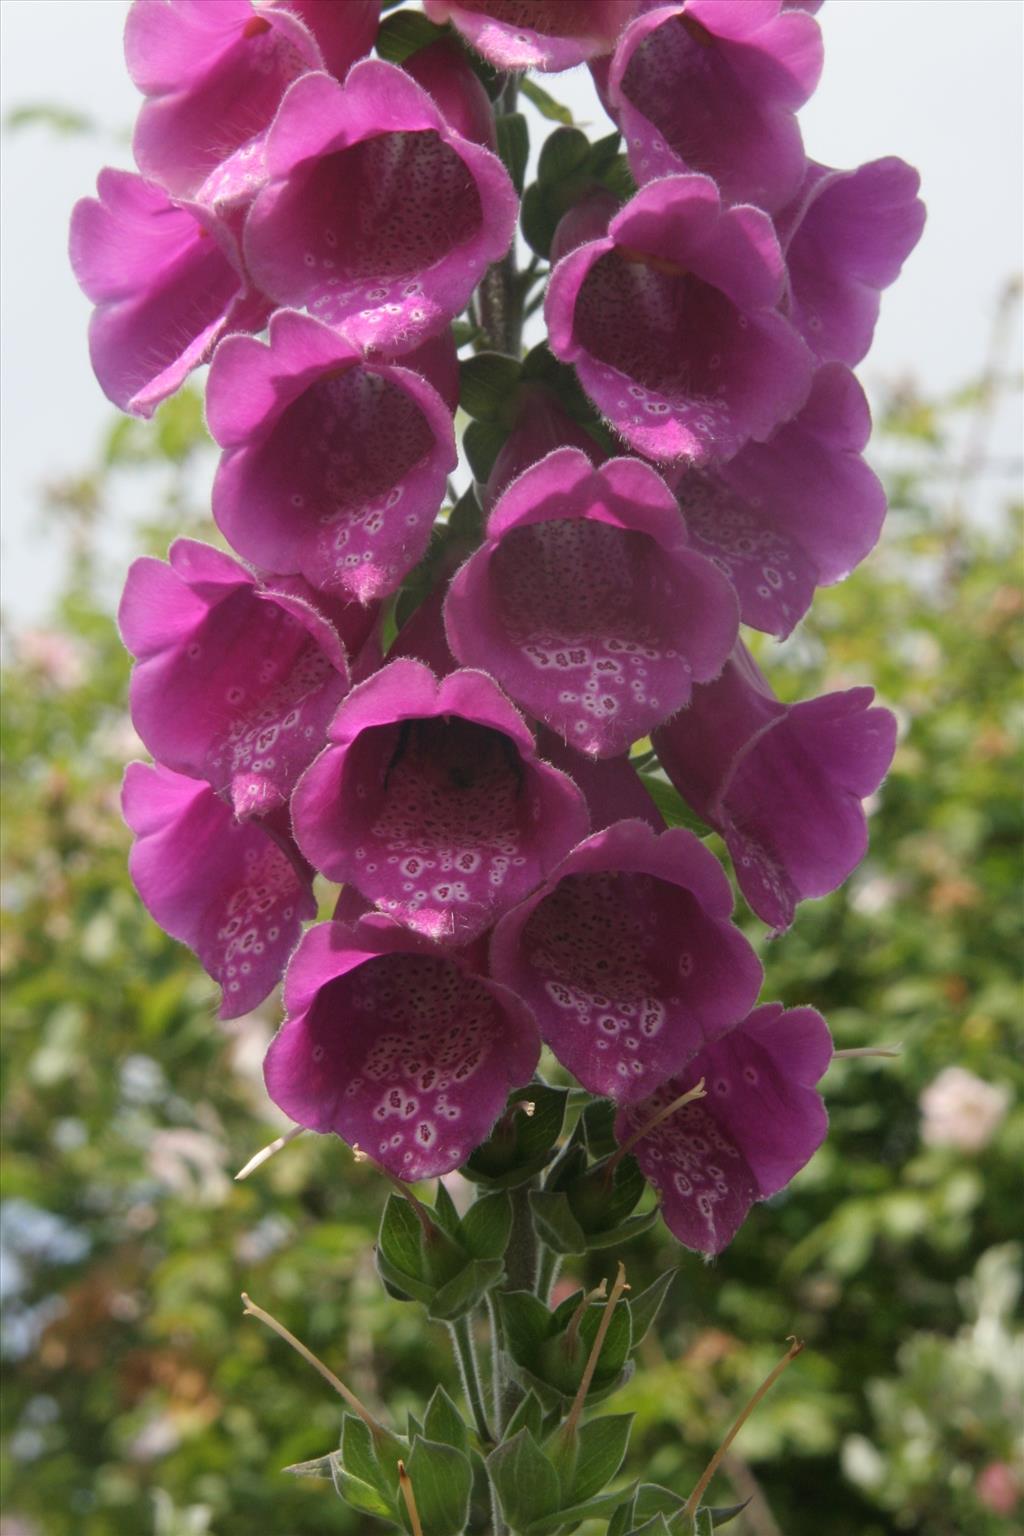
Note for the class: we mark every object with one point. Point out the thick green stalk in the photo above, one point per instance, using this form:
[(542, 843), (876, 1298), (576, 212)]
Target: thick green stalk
[(465, 1353)]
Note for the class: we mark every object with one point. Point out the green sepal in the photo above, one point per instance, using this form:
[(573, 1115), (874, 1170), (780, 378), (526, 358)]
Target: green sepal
[(525, 1322), (624, 1518), (670, 804), (513, 135), (643, 1309), (652, 1499), (546, 105), (413, 1426), (462, 1293), (574, 1514), (601, 1449), (599, 1127), (444, 1422), (404, 33), (528, 1415), (488, 382), (445, 1212), (562, 153), (569, 168), (371, 1458), (721, 1514), (482, 441), (624, 1233), (520, 1145), (486, 1226), (442, 1481), (358, 1494), (657, 1526), (555, 1223), (526, 1483), (536, 1344), (319, 1466)]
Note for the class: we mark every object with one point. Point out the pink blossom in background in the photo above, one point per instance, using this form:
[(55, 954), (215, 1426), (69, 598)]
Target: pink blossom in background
[(961, 1110)]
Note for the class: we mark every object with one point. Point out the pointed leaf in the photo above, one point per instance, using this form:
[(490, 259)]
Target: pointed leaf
[(653, 1499), (522, 1143), (591, 1509), (358, 1494), (602, 1447), (404, 33), (525, 1481), (625, 1233), (401, 1240), (485, 383), (444, 1422), (482, 441), (441, 1481), (546, 105), (555, 1223), (624, 1518), (723, 1513), (445, 1213), (526, 1322), (460, 1294), (320, 1466), (486, 1226), (643, 1309), (529, 1415)]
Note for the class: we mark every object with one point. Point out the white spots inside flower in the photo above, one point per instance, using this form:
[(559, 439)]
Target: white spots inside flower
[(445, 817), (733, 531), (255, 918)]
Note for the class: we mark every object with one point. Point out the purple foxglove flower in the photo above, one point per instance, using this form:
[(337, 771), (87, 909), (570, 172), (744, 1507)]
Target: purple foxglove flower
[(797, 512), (236, 681), (445, 73), (334, 466), (235, 894), (214, 76), (587, 604), (535, 34), (628, 958), (611, 785), (782, 783), (167, 281), (670, 322), (541, 425), (760, 1121), (586, 220), (846, 236), (400, 1050), (714, 86), (378, 216), (431, 801)]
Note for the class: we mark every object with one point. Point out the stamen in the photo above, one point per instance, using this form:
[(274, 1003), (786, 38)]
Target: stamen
[(268, 1152), (250, 1309), (405, 1483), (795, 1346)]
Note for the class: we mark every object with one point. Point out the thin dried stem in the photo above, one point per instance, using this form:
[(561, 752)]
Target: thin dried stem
[(252, 1310), (579, 1401), (856, 1051), (697, 1092), (267, 1152), (405, 1483)]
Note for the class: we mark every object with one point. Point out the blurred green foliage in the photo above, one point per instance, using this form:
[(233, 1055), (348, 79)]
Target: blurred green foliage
[(137, 1400)]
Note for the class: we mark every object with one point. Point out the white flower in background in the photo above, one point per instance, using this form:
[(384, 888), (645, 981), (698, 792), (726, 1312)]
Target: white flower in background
[(961, 1110)]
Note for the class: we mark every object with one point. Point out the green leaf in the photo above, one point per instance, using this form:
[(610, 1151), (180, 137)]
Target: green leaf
[(513, 145), (546, 105), (482, 441), (320, 1466), (625, 1232), (486, 1226), (653, 1499), (526, 1483), (413, 1426), (599, 1127), (63, 120), (555, 1223), (624, 1518), (526, 1322), (723, 1513), (444, 1422), (573, 1514), (404, 33), (563, 152), (486, 382), (461, 1294), (444, 1210), (643, 1309), (401, 1237), (602, 1447), (358, 1455), (537, 220), (671, 804), (521, 1144), (529, 1415), (360, 1495), (615, 1349), (441, 1481), (702, 1524)]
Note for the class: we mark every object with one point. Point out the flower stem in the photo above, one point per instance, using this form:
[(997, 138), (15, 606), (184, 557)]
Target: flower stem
[(465, 1353)]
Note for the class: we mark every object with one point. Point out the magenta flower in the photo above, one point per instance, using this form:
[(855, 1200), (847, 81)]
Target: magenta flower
[(714, 86), (782, 783), (236, 680), (167, 281), (214, 76), (378, 216), (846, 236), (235, 894), (670, 321), (797, 512), (586, 603), (445, 73), (334, 466), (628, 958), (400, 1050), (535, 34), (431, 801), (611, 785), (760, 1121)]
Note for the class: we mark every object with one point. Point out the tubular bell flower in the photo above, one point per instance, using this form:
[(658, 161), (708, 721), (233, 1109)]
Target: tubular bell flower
[(168, 283), (400, 1050), (445, 73), (334, 466), (214, 76), (431, 801), (760, 1120), (846, 235), (535, 34), (236, 680), (235, 894), (628, 958), (782, 783), (586, 603), (378, 217), (714, 86), (797, 512), (670, 321)]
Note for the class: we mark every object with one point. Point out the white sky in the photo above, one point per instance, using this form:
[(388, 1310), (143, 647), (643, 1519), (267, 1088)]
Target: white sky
[(936, 81)]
